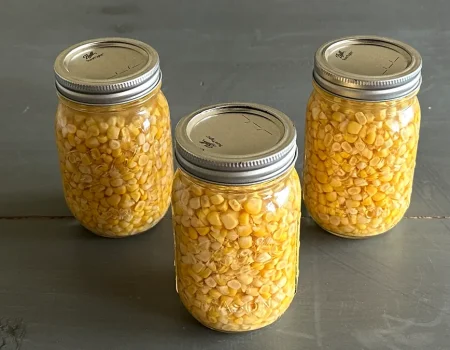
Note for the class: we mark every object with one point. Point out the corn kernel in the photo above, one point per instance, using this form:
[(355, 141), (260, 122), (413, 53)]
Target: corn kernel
[(244, 231), (331, 197), (229, 219), (216, 199), (235, 205), (214, 218), (253, 206), (322, 177), (203, 231), (113, 133), (245, 242)]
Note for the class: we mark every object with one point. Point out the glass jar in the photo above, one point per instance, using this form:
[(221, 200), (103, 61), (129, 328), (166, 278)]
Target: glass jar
[(236, 215), (362, 132), (113, 136)]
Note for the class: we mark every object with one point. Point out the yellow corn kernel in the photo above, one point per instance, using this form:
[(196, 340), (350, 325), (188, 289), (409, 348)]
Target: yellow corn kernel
[(350, 138), (386, 178), (253, 205), (327, 188), (192, 233), (354, 127), (331, 196), (203, 231), (244, 231), (370, 138), (205, 201), (120, 190), (222, 206), (260, 232), (382, 202), (322, 199), (194, 203), (232, 292), (378, 196), (352, 204), (216, 199), (113, 133), (234, 284), (205, 273), (196, 190), (234, 204), (337, 116), (230, 219), (322, 177), (114, 200), (245, 242), (214, 218), (244, 218)]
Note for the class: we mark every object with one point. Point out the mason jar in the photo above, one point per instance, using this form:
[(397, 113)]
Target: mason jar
[(236, 215), (113, 135), (362, 132)]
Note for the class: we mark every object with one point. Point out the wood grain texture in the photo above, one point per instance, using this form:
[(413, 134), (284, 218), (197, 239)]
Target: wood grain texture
[(64, 288)]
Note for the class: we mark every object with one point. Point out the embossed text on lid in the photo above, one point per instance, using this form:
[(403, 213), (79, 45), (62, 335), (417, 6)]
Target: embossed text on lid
[(107, 71), (368, 68), (236, 143)]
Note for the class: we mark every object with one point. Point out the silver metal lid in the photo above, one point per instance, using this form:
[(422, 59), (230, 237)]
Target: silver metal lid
[(107, 71), (368, 68), (236, 143)]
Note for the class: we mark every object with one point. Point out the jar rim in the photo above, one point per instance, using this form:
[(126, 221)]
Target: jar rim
[(369, 68), (410, 94), (235, 143), (107, 71), (82, 106)]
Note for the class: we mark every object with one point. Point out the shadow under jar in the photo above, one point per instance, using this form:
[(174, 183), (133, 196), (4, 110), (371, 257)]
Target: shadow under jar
[(362, 132), (236, 215), (113, 136)]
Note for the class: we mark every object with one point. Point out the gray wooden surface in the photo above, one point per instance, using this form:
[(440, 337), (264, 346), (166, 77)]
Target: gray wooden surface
[(63, 288)]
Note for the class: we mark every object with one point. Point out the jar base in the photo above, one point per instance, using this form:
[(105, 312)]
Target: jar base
[(237, 331), (153, 224), (342, 235), (125, 236)]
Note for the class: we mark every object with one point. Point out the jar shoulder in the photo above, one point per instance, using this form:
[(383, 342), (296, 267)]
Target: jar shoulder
[(151, 108), (282, 192), (328, 102)]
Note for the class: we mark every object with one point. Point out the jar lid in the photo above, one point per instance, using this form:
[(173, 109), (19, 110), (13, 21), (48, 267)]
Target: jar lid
[(368, 68), (236, 143), (107, 71)]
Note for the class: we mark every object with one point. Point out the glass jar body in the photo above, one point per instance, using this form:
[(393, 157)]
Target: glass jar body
[(359, 162), (116, 163), (236, 250)]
